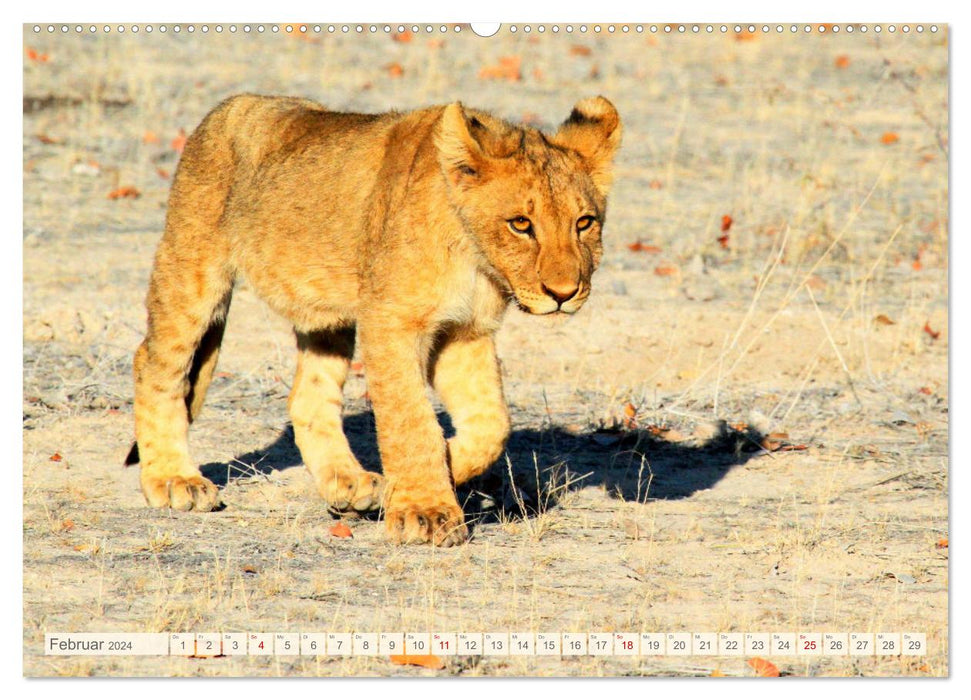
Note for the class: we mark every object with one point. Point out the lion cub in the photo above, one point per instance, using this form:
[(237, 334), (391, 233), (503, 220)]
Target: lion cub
[(413, 231)]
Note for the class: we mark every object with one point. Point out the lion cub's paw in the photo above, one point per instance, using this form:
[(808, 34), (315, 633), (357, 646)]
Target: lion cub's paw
[(181, 493), (443, 524), (359, 491)]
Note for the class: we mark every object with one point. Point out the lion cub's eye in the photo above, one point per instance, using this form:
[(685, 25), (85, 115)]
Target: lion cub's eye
[(521, 225), (584, 222)]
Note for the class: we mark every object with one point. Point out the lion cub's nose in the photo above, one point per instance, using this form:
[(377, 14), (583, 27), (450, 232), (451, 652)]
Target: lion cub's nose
[(562, 292)]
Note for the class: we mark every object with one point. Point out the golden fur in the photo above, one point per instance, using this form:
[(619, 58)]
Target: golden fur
[(412, 231)]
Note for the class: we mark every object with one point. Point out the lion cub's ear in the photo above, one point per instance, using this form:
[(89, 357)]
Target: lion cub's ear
[(468, 141), (593, 130), (459, 152)]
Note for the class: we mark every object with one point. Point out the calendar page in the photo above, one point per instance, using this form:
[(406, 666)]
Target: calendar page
[(423, 349)]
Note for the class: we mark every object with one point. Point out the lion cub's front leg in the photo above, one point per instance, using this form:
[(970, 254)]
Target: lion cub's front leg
[(466, 376), (420, 503)]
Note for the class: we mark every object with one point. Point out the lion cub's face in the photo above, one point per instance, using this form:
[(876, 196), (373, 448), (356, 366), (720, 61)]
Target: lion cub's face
[(535, 204)]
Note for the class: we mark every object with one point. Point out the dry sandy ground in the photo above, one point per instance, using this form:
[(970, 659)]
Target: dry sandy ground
[(638, 494)]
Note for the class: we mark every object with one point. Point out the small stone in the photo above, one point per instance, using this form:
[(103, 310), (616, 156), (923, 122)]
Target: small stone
[(899, 418), (87, 169)]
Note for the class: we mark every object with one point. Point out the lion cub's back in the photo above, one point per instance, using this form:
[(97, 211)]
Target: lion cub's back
[(262, 129)]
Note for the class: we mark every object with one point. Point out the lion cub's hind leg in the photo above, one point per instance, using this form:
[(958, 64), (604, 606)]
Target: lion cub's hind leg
[(315, 410), (173, 367)]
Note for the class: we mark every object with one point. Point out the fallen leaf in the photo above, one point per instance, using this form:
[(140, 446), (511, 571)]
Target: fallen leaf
[(124, 192), (931, 332), (889, 137), (508, 68), (723, 241), (842, 61), (423, 660), (49, 140), (249, 569), (655, 184), (178, 143), (341, 530), (67, 525), (941, 543), (770, 445), (726, 223), (579, 50), (150, 137), (640, 247), (763, 668), (776, 442), (665, 271), (746, 36), (395, 70), (816, 282), (629, 410), (33, 55), (885, 320), (925, 390), (403, 37), (162, 173), (56, 457)]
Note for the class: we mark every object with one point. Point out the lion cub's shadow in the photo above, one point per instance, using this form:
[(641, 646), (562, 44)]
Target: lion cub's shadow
[(541, 466)]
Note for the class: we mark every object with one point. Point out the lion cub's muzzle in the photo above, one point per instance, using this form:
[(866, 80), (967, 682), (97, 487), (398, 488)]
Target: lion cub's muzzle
[(563, 298)]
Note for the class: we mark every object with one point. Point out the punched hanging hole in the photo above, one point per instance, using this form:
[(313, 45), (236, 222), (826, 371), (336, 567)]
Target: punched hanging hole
[(485, 29)]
